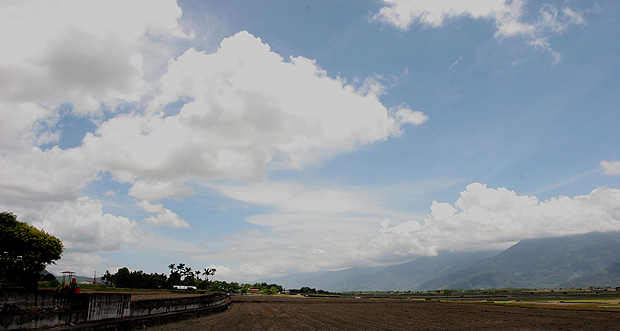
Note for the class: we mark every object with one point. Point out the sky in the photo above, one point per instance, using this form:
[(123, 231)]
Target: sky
[(265, 138)]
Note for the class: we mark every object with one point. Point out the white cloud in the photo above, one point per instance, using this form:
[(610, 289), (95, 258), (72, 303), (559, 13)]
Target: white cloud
[(247, 110), (82, 52), (148, 189), (572, 17), (84, 227), (508, 17), (552, 19), (454, 64), (23, 124), (83, 264), (373, 85), (36, 175), (165, 217), (296, 198), (611, 167), (302, 223), (484, 217), (543, 44), (406, 115), (403, 13), (481, 219)]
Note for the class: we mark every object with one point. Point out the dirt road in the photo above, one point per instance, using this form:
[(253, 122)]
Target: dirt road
[(342, 314)]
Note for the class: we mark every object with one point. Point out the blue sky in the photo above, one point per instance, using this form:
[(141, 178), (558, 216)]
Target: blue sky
[(274, 137)]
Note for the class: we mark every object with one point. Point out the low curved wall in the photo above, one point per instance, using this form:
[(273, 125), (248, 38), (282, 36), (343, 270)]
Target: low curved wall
[(160, 306), (136, 323), (24, 311)]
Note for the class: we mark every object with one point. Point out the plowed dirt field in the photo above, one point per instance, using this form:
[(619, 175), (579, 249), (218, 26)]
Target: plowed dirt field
[(269, 313)]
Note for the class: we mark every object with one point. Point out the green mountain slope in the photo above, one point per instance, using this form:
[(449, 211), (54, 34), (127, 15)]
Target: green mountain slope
[(408, 276), (537, 263), (610, 277)]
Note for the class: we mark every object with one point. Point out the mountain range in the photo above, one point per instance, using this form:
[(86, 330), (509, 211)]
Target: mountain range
[(584, 260)]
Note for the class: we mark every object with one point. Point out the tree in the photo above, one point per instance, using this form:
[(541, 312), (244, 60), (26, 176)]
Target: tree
[(208, 272), (107, 278), (156, 281), (24, 252), (135, 279), (188, 275)]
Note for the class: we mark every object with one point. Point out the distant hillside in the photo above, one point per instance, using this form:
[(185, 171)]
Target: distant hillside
[(320, 280), (402, 277), (407, 276), (535, 263), (585, 260), (484, 274), (610, 277)]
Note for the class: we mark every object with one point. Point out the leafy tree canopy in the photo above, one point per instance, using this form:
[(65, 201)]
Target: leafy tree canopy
[(181, 274), (24, 252)]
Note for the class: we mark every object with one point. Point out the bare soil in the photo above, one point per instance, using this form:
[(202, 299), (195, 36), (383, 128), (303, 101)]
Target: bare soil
[(292, 313)]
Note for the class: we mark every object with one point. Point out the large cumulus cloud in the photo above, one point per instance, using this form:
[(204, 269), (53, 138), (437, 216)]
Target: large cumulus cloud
[(244, 110), (84, 226), (82, 58), (485, 217), (86, 53)]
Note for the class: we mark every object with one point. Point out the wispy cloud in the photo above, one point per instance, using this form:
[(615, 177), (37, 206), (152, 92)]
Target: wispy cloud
[(454, 64), (564, 182), (509, 18), (611, 167)]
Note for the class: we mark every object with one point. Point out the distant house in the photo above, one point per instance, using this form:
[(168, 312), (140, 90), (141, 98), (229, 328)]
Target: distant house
[(183, 287)]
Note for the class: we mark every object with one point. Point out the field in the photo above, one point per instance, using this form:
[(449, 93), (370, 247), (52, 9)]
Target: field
[(300, 313)]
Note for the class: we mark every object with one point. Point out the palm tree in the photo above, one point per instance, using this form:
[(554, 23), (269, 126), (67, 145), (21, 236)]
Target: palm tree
[(187, 272), (212, 273)]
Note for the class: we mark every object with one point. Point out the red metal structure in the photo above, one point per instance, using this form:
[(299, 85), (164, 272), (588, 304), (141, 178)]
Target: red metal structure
[(69, 283)]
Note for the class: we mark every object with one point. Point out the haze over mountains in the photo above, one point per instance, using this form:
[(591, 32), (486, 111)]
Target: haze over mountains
[(591, 259)]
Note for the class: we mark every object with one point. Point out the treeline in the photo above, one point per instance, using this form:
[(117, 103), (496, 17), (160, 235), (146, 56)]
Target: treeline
[(183, 275), (136, 279), (308, 290)]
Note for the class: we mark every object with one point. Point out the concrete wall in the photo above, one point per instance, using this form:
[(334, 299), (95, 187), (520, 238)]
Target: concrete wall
[(21, 311), (159, 306), (108, 305)]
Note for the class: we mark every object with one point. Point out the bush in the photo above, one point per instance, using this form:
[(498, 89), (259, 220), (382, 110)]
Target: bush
[(49, 283)]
